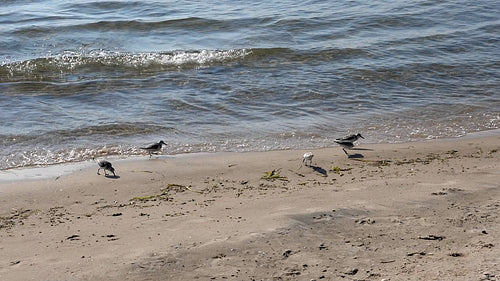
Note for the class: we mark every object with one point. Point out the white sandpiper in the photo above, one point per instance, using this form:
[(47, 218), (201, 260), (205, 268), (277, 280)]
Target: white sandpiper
[(348, 142), (153, 148), (106, 166), (308, 156)]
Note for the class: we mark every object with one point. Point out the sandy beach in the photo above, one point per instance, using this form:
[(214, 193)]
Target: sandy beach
[(410, 211)]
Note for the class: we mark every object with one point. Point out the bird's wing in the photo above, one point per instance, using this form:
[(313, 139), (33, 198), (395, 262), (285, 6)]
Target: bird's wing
[(349, 138), (153, 146), (344, 142)]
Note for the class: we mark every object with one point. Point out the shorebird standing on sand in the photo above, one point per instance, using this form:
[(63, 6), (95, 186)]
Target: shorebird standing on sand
[(106, 166), (348, 142), (153, 148), (308, 157)]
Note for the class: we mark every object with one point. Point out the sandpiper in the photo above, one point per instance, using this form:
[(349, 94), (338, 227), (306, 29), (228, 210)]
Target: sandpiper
[(106, 166), (308, 156), (348, 142), (153, 148)]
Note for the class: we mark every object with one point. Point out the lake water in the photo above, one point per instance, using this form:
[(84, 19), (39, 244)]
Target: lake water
[(83, 79)]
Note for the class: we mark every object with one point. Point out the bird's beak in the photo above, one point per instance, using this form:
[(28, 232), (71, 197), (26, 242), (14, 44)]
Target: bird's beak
[(361, 136)]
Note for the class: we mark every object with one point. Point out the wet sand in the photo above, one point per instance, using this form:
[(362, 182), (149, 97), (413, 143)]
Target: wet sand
[(412, 211)]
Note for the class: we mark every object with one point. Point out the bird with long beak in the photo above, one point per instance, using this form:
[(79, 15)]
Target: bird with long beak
[(308, 156), (154, 148), (348, 142), (106, 166)]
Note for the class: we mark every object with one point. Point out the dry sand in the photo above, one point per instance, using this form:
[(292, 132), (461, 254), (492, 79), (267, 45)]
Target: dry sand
[(413, 211)]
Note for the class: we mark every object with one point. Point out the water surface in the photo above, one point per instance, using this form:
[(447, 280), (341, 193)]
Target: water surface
[(85, 79)]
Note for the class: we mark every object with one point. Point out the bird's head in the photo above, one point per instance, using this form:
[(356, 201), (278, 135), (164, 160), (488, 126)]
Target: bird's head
[(162, 142), (359, 135)]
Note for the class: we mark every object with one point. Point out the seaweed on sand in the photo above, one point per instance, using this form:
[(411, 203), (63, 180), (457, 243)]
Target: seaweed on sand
[(274, 175)]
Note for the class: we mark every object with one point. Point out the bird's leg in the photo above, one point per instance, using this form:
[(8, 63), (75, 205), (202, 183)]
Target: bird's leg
[(98, 171), (345, 151)]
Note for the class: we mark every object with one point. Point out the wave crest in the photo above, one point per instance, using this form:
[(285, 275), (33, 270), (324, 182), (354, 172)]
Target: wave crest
[(54, 66)]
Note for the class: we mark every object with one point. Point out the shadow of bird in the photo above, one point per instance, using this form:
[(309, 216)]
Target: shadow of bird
[(319, 170)]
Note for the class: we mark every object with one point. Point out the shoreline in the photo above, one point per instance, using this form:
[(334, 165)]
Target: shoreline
[(403, 211), (54, 170)]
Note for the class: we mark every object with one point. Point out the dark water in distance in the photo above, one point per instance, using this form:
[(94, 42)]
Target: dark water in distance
[(80, 79)]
